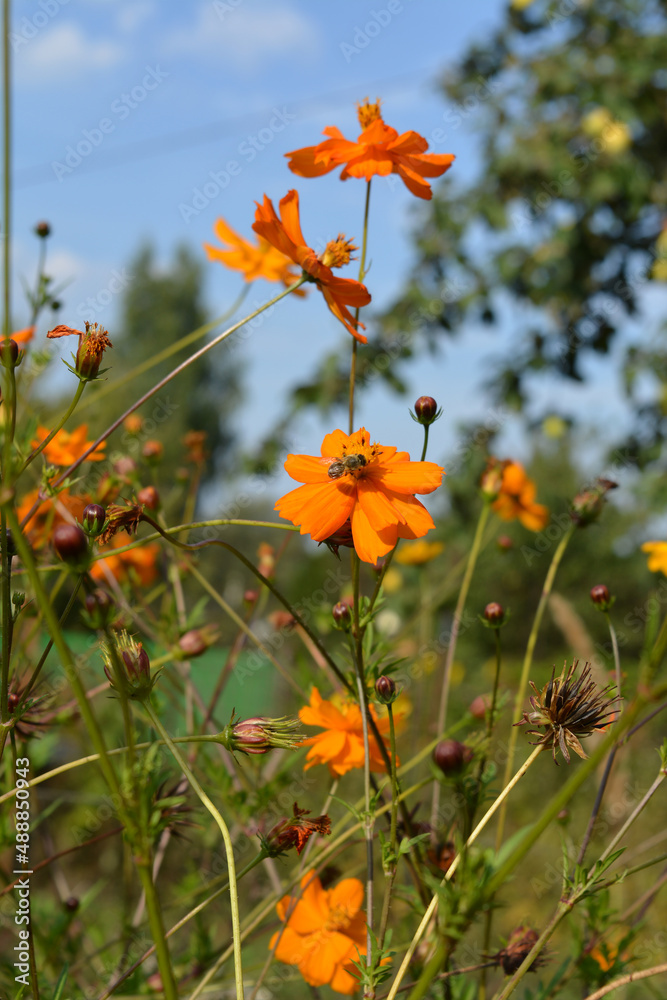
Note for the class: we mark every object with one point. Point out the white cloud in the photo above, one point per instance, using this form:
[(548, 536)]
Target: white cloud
[(132, 15), (243, 36), (63, 53)]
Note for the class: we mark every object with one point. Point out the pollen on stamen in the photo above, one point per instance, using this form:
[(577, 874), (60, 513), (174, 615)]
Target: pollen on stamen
[(338, 252), (368, 113)]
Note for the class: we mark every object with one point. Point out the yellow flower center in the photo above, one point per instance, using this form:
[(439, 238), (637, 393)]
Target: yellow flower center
[(338, 920), (353, 461), (338, 252), (368, 113)]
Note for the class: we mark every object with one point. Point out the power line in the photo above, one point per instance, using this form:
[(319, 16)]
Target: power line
[(200, 135)]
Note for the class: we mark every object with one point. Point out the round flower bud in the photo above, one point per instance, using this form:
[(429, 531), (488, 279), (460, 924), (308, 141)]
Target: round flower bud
[(563, 817), (250, 596), (94, 516), (152, 450), (342, 615), (149, 497), (451, 756), (71, 544), (480, 706), (426, 410), (385, 688), (9, 352), (125, 466), (42, 229), (601, 598), (494, 614), (587, 505), (99, 608), (192, 643), (504, 543)]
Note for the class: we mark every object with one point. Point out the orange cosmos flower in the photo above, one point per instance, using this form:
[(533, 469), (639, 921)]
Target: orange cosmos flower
[(140, 562), (371, 485), (50, 513), (260, 260), (517, 499), (67, 446), (378, 150), (285, 234), (324, 932), (341, 745)]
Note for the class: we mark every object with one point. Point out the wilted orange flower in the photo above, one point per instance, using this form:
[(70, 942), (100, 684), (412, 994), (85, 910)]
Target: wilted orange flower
[(285, 234), (92, 345), (657, 556), (50, 513), (341, 745), (517, 499), (324, 932), (372, 485), (378, 150), (67, 446), (140, 561), (259, 260)]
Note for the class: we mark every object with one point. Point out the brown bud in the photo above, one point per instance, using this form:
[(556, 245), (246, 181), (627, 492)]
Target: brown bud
[(9, 352), (601, 598), (71, 544), (149, 497), (197, 641), (519, 945), (426, 410), (480, 706), (94, 516), (385, 688), (494, 613), (341, 615), (451, 756), (504, 543), (250, 596), (152, 450), (99, 607), (587, 505), (42, 229), (71, 904)]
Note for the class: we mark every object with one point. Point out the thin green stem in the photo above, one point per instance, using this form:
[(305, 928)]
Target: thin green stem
[(527, 663), (449, 660), (365, 713), (632, 817), (390, 871), (425, 446), (156, 925), (453, 867), (362, 272), (61, 423), (229, 847), (617, 657), (165, 381)]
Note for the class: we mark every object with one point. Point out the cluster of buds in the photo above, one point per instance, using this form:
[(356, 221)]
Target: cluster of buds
[(587, 505), (127, 663), (260, 735), (426, 411), (92, 345), (294, 832)]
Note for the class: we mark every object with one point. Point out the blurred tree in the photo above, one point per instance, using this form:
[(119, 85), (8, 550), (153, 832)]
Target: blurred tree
[(161, 306), (562, 230)]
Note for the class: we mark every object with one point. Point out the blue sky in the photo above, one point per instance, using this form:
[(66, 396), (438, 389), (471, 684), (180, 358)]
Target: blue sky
[(181, 112)]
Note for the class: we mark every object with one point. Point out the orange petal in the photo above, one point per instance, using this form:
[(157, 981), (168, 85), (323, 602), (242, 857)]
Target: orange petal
[(320, 509), (348, 895), (289, 214), (408, 477), (308, 468), (376, 505), (334, 444), (368, 544)]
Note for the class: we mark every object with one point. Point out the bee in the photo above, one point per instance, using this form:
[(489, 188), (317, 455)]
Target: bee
[(350, 463)]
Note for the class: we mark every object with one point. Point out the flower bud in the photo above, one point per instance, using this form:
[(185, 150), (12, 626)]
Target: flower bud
[(9, 352), (385, 689), (587, 505), (149, 497), (250, 596), (343, 536), (494, 614), (480, 706), (451, 756), (99, 609), (504, 543), (125, 466), (152, 450), (342, 615), (492, 478), (42, 229), (259, 735), (71, 544), (93, 519), (601, 597), (197, 641), (134, 663), (426, 410), (519, 946), (71, 904), (133, 423)]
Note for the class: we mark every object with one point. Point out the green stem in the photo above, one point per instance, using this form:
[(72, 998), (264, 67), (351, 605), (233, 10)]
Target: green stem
[(229, 847), (425, 447), (165, 381), (449, 661), (362, 271), (61, 423), (6, 582), (426, 919), (157, 931), (527, 663), (617, 657), (363, 705), (390, 873)]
